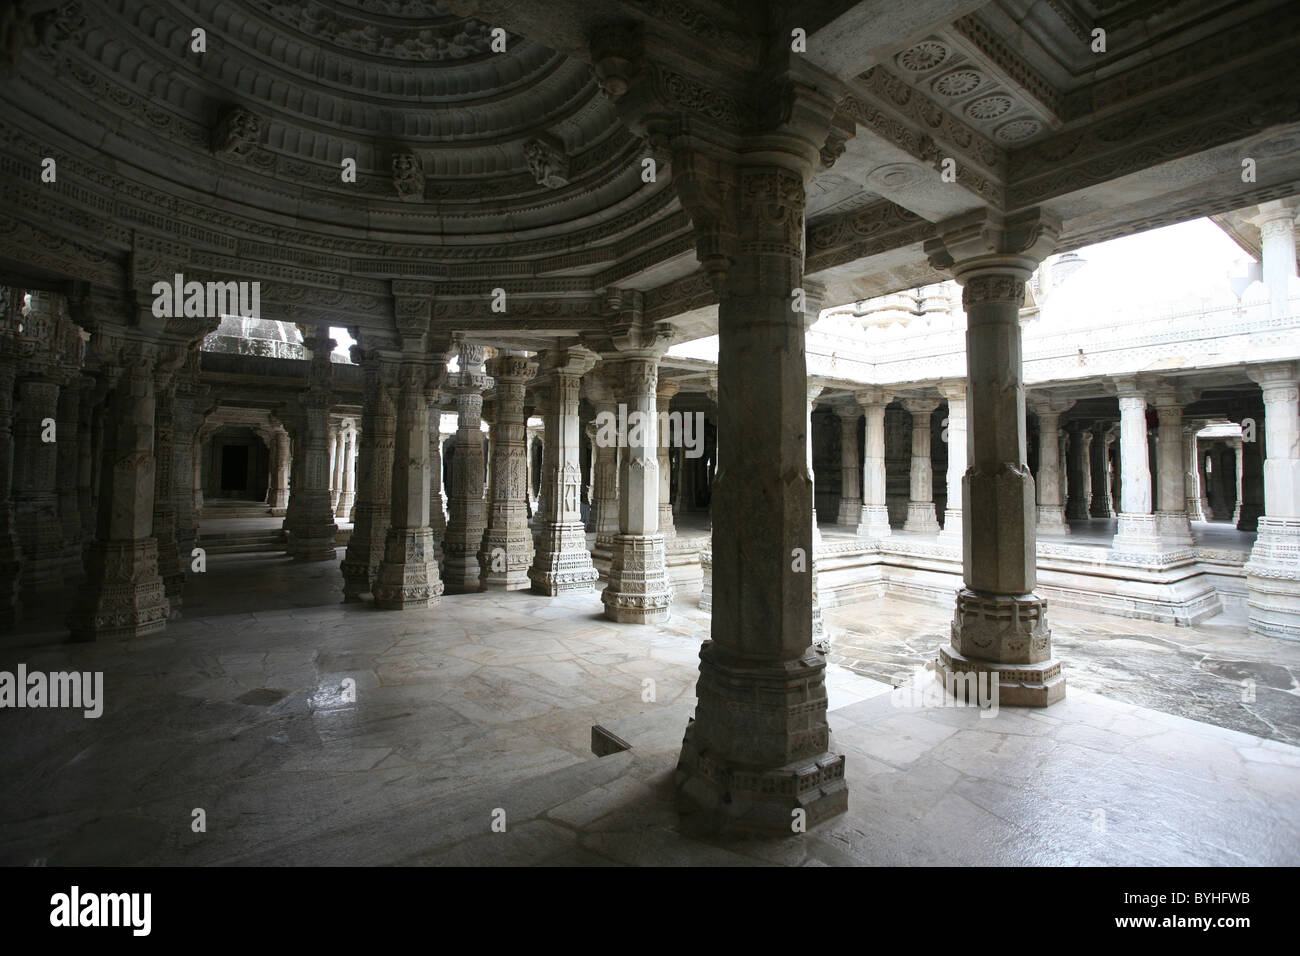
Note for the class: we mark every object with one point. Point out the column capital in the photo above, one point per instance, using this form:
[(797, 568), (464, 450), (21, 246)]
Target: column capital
[(1046, 404), (920, 406), (850, 412), (986, 244), (1273, 375), (873, 396), (953, 390), (667, 388)]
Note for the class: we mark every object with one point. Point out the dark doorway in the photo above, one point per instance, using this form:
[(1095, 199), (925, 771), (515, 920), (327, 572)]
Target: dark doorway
[(234, 468)]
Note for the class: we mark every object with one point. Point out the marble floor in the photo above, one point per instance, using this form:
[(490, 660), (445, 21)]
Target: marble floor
[(308, 731)]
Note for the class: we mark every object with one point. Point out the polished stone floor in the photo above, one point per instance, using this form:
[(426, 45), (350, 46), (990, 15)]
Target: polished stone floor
[(314, 732)]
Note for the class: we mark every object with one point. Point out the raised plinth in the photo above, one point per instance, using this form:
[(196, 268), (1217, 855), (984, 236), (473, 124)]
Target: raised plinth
[(850, 512), (123, 596), (638, 591), (408, 575), (1273, 579), (757, 750), (505, 559)]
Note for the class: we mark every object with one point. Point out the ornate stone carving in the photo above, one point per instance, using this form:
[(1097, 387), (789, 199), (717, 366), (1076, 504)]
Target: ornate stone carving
[(237, 133), (408, 175), (547, 161)]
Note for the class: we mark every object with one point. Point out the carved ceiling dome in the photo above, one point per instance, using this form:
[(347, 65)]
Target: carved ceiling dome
[(268, 116)]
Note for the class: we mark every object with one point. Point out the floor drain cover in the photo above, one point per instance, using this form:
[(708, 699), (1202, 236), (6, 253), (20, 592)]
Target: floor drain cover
[(604, 743)]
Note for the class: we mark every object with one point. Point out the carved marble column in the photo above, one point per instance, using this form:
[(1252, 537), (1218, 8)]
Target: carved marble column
[(1192, 478), (1078, 505), (1276, 221), (1171, 471), (347, 484), (1000, 626), (1273, 571), (374, 475), (874, 522), (1051, 510), (957, 440), (278, 499), (920, 507), (36, 502), (11, 559), (408, 575), (813, 392), (1063, 446), (309, 519), (638, 591), (562, 562), (171, 563), (437, 497), (507, 550), (68, 466), (819, 640), (667, 528), (123, 596), (1250, 483), (757, 752), (604, 503), (1099, 463), (192, 404), (468, 518), (850, 464), (1109, 437), (336, 460), (1235, 481), (1137, 524)]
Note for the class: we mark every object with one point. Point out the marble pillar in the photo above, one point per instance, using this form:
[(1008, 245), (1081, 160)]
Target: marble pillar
[(35, 496), (666, 390), (1078, 505), (171, 562), (347, 484), (920, 505), (1273, 571), (1235, 481), (1137, 531), (309, 519), (278, 499), (437, 494), (374, 474), (1000, 626), (336, 461), (850, 512), (1250, 484), (562, 562), (1171, 471), (11, 559), (1276, 221), (604, 504), (1192, 479), (408, 574), (955, 437), (1051, 509), (123, 596), (758, 749), (813, 392), (507, 550), (1099, 463), (68, 467), (819, 640), (468, 517), (1063, 448), (874, 521)]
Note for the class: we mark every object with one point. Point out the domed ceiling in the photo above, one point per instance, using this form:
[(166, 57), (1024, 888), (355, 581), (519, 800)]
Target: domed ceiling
[(477, 153)]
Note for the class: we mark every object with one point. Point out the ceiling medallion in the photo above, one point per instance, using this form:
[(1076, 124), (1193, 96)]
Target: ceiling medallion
[(924, 56), (893, 176), (989, 107), (957, 83), (1017, 130)]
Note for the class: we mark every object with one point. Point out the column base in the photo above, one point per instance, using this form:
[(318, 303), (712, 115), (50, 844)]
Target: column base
[(666, 526), (1051, 520), (460, 567), (1018, 685), (123, 596), (638, 591), (921, 517), (1207, 513), (873, 522), (1174, 528), (1273, 579), (505, 559), (407, 577), (757, 749), (1247, 517), (40, 536), (1079, 512), (1195, 512), (1101, 507), (850, 511), (1137, 534), (1006, 635), (563, 563), (344, 507), (951, 533)]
